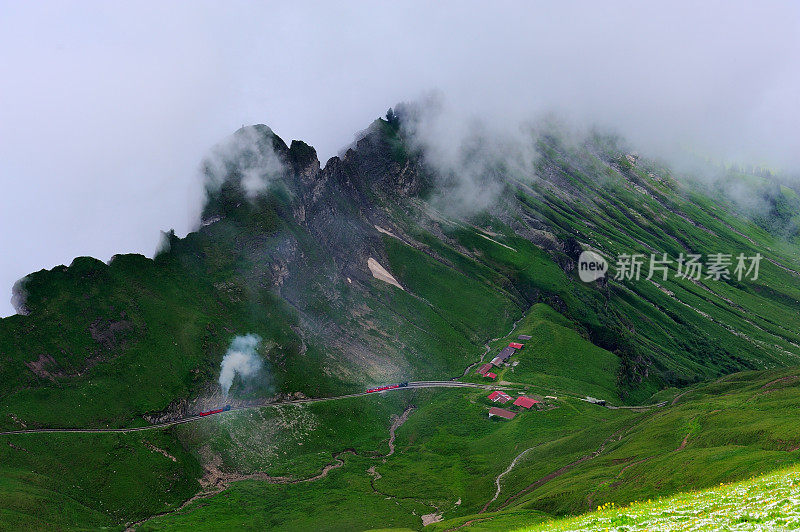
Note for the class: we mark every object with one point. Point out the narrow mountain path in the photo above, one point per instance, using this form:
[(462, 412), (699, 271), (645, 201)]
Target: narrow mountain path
[(678, 397), (555, 474), (397, 421), (618, 435), (215, 482), (504, 473)]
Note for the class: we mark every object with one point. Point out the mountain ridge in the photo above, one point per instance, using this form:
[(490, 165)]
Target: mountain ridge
[(282, 252)]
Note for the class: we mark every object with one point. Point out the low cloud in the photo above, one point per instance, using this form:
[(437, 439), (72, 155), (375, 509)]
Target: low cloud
[(101, 141), (470, 155), (474, 156), (247, 157), (19, 297)]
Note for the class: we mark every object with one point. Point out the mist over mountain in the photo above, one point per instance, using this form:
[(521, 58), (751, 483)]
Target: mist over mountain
[(125, 123), (436, 267)]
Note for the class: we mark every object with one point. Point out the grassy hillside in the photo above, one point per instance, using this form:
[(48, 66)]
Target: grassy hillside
[(141, 332), (557, 359), (732, 429), (767, 502), (710, 364), (573, 456), (71, 481)]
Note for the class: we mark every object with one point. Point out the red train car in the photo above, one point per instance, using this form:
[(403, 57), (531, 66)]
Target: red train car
[(383, 388), (217, 411), (387, 387)]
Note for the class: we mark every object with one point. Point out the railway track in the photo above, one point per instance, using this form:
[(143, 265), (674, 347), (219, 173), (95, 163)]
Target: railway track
[(189, 419)]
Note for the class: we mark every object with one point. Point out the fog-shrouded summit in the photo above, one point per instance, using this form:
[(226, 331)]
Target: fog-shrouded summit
[(124, 102)]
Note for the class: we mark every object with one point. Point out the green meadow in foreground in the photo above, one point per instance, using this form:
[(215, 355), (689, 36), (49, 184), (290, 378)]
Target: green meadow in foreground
[(770, 502)]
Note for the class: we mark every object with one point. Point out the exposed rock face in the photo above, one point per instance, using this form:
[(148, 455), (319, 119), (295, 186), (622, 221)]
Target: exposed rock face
[(368, 171), (328, 227), (44, 367), (312, 229), (338, 203), (303, 160), (110, 334)]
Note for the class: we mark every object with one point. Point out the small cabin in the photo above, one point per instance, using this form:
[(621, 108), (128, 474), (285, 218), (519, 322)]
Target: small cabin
[(501, 397), (501, 412), (525, 402), (504, 355), (484, 369), (595, 401)]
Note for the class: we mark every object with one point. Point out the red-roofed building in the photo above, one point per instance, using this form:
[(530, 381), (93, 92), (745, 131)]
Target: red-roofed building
[(501, 412), (516, 345), (498, 396), (491, 375), (483, 370), (525, 402)]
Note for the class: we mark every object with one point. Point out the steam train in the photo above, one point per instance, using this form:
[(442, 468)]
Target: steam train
[(217, 411), (388, 387)]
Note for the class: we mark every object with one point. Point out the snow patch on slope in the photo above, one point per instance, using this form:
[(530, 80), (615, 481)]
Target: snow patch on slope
[(379, 272), (386, 232)]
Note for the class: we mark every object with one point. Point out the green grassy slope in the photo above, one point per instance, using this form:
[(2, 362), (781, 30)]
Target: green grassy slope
[(558, 359), (767, 502), (732, 429), (449, 454), (136, 331), (619, 207), (71, 481), (109, 344)]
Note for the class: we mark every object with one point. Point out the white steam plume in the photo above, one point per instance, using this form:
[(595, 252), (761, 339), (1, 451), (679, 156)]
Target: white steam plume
[(241, 358)]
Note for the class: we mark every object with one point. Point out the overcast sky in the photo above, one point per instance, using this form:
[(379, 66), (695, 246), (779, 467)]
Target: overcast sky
[(106, 110)]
